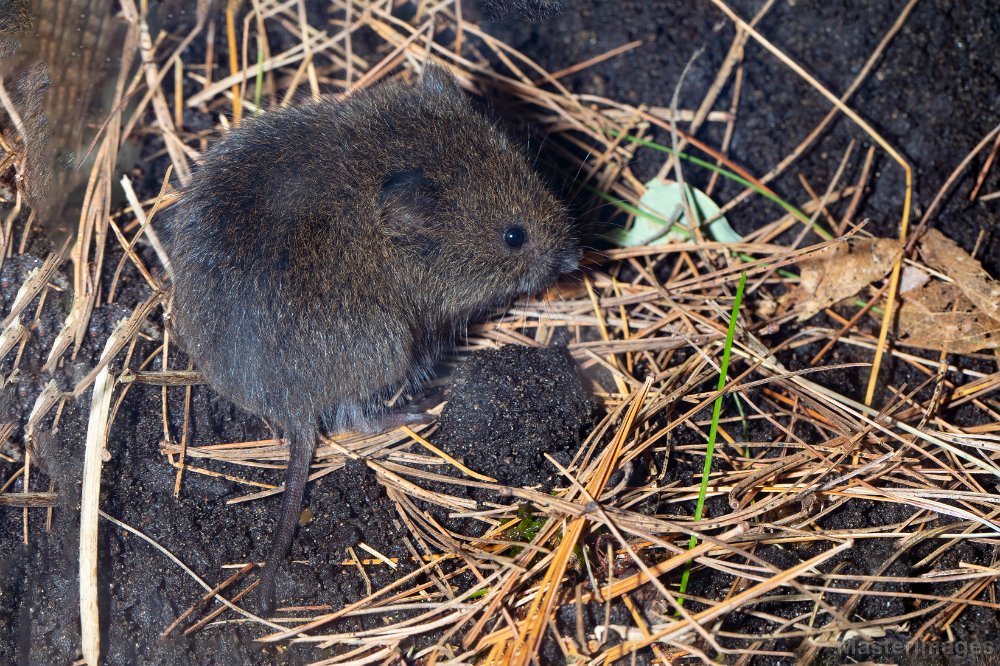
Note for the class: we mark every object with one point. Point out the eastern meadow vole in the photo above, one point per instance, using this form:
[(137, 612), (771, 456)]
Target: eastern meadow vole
[(325, 255)]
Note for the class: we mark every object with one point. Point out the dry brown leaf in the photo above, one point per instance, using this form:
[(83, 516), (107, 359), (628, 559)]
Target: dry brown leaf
[(939, 315), (953, 332), (960, 317), (938, 296), (946, 256), (839, 272)]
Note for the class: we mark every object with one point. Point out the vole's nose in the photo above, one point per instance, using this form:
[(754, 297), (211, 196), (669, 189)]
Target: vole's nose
[(569, 261)]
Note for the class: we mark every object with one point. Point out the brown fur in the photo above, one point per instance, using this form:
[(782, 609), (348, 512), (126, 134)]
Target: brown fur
[(325, 255), (15, 17)]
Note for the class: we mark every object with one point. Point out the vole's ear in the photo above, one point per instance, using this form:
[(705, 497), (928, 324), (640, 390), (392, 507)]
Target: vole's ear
[(438, 79), (410, 206), (408, 198), (407, 184)]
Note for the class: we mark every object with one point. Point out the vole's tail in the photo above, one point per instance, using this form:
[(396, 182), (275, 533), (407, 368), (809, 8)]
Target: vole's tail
[(301, 443)]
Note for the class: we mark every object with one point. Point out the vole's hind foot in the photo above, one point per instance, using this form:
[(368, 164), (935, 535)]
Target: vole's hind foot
[(351, 417), (345, 417), (410, 414), (405, 416)]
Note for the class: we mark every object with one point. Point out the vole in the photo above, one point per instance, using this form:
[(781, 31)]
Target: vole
[(325, 255)]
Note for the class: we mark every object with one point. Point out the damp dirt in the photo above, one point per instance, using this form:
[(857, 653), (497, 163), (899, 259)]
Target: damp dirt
[(934, 94)]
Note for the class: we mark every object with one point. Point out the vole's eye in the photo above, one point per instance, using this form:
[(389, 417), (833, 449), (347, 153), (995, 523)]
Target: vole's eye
[(515, 236)]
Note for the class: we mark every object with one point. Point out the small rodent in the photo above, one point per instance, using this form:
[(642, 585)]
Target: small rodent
[(325, 255)]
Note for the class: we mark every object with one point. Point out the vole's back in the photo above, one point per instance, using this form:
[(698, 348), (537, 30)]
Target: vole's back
[(322, 252), (281, 264)]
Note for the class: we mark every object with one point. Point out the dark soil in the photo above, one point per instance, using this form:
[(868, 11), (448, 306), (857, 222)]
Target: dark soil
[(504, 419), (934, 95)]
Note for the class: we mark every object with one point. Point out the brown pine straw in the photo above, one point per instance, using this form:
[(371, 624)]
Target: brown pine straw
[(529, 634), (650, 317), (907, 193)]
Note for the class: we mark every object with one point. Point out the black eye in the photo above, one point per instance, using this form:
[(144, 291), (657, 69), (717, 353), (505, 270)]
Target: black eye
[(515, 236)]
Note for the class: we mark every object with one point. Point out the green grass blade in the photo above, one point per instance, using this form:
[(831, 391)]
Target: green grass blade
[(713, 432)]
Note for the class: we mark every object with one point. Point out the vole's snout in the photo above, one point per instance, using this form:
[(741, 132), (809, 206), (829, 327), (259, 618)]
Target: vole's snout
[(559, 263), (548, 270), (569, 261)]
